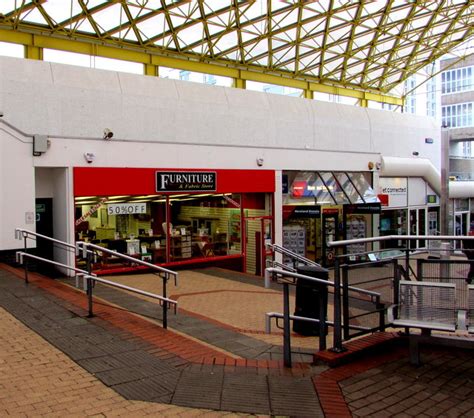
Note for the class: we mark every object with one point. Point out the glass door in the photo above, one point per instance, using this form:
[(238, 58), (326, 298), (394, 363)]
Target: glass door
[(417, 226)]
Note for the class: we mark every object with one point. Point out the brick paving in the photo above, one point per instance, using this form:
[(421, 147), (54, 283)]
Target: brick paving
[(55, 361)]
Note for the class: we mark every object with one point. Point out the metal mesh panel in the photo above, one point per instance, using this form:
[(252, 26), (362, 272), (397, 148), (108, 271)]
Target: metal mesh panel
[(376, 277), (471, 306), (447, 271), (425, 302)]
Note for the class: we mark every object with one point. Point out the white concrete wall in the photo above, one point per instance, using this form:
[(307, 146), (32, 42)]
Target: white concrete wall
[(67, 102), (17, 186), (174, 124)]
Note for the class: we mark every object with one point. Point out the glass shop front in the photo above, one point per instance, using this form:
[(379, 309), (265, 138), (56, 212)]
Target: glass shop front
[(176, 217), (409, 207), (323, 206)]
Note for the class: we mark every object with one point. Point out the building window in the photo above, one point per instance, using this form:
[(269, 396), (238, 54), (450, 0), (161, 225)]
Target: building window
[(410, 98), (458, 115), (457, 80), (431, 101), (184, 75)]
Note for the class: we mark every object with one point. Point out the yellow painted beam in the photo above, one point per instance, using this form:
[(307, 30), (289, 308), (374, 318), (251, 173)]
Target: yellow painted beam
[(33, 52), (151, 70), (147, 58), (308, 94), (239, 83)]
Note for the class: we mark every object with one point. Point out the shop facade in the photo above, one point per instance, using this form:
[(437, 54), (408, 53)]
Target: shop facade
[(324, 206), (174, 217), (409, 207)]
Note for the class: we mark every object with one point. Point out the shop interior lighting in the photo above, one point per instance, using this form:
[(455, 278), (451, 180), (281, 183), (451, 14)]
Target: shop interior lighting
[(87, 202), (85, 198), (118, 197)]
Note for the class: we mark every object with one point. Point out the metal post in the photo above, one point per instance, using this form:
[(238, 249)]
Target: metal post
[(89, 282), (407, 261), (337, 341), (345, 302), (381, 308), (323, 301), (165, 304), (286, 326), (89, 297), (444, 196), (25, 259)]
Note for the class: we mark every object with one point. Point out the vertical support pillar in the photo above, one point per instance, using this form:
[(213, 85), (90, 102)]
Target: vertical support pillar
[(33, 52), (240, 83), (308, 94), (151, 69), (363, 103), (444, 197)]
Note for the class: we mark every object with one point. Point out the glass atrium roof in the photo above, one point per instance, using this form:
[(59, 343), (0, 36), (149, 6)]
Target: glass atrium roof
[(369, 45)]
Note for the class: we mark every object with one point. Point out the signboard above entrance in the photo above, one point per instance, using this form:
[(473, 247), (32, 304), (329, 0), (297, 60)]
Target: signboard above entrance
[(186, 181)]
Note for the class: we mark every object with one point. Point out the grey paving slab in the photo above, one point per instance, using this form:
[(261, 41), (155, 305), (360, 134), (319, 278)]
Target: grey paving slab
[(130, 366), (198, 389), (147, 389)]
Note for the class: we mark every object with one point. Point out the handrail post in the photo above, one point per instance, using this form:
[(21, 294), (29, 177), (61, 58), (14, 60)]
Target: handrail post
[(345, 302), (89, 283), (286, 326), (89, 297), (337, 341), (323, 302), (165, 303), (381, 308), (25, 259), (407, 260)]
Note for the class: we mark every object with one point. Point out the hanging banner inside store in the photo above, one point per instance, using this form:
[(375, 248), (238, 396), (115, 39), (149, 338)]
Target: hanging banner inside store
[(186, 181), (126, 208), (91, 211)]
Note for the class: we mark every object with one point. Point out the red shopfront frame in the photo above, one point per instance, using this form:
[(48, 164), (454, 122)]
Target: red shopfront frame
[(104, 181)]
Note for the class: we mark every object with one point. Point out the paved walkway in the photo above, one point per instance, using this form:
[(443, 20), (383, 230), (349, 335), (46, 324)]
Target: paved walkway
[(54, 361)]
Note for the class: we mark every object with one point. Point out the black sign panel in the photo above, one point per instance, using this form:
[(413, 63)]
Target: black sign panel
[(306, 211), (186, 181), (367, 208)]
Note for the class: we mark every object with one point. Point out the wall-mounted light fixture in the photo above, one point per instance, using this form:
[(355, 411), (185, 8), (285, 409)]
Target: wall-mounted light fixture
[(89, 156), (260, 161), (108, 134)]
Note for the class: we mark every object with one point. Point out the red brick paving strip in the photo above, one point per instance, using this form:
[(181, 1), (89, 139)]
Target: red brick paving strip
[(327, 386), (185, 348)]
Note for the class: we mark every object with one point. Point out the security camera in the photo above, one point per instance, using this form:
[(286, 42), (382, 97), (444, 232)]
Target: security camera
[(260, 161), (108, 134), (89, 156)]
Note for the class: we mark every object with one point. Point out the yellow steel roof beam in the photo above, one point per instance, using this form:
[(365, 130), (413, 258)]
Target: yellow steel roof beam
[(107, 51)]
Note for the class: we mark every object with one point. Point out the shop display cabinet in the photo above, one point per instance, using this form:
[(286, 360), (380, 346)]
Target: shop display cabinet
[(180, 246)]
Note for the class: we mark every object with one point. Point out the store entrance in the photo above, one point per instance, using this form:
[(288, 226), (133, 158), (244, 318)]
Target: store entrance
[(417, 219), (329, 227), (461, 226)]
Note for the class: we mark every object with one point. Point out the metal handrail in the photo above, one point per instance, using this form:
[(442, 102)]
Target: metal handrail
[(289, 278), (316, 280), (400, 237), (20, 255), (24, 233), (86, 245), (285, 251)]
